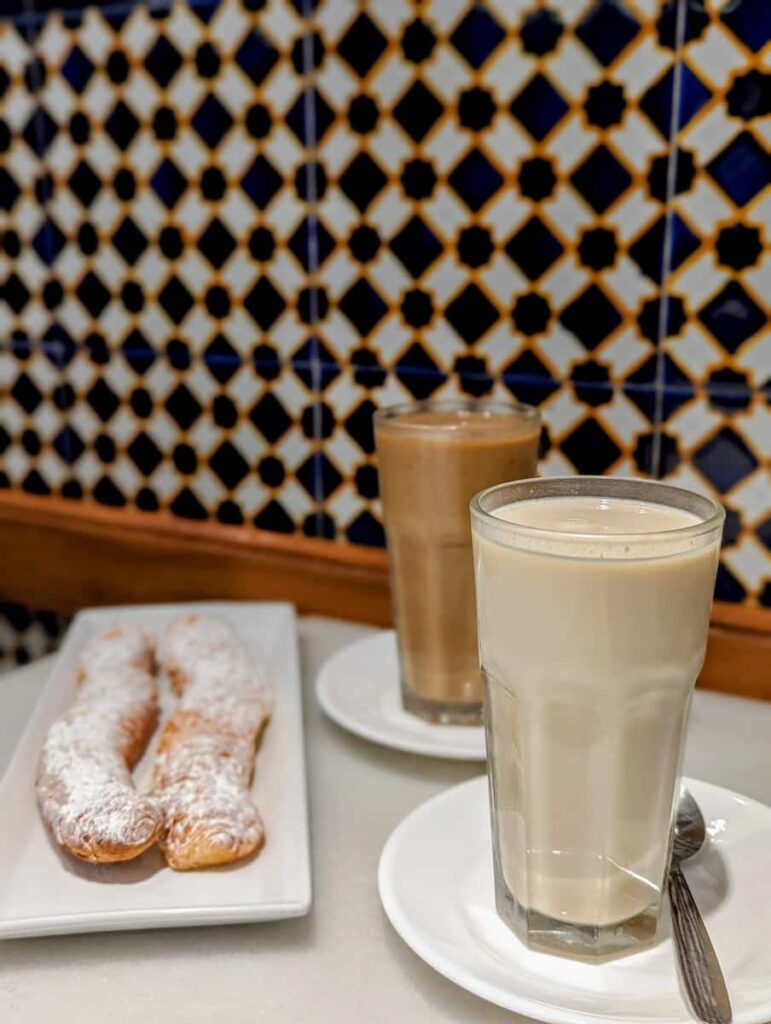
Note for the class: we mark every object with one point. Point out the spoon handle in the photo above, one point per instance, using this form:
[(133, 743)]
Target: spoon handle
[(699, 967)]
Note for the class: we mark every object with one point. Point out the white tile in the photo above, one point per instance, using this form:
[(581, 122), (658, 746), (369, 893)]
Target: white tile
[(568, 212), (281, 89), (642, 65), (95, 37), (693, 423), (624, 419), (199, 328), (98, 99), (503, 280), (570, 143), (699, 279), (194, 272), (628, 284), (114, 323), (755, 358), (748, 560), (238, 214), (390, 212), (389, 147), (151, 270), (390, 15), (231, 23), (147, 212), (184, 30), (339, 273), (390, 339), (186, 92), (705, 206), (571, 69), (555, 463), (336, 82), (296, 500), (389, 276), (637, 140), (507, 143), (633, 214), (239, 274), (708, 134), (563, 412), (446, 145), (444, 279), (235, 91), (341, 338), (564, 282), (447, 74), (507, 71), (715, 56), (755, 425), (445, 14), (500, 345), (758, 278), (14, 52), (625, 351), (336, 210), (445, 213), (391, 80), (139, 33), (443, 344), (752, 497), (345, 454), (334, 16), (189, 154), (560, 350), (338, 148)]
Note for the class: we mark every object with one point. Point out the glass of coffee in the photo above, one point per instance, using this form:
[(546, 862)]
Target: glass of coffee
[(432, 457), (593, 601)]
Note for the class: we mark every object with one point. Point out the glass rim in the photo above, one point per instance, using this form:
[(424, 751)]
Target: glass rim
[(595, 485), (500, 406)]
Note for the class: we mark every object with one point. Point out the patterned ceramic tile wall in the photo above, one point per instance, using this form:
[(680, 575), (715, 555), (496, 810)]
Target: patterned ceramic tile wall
[(232, 228)]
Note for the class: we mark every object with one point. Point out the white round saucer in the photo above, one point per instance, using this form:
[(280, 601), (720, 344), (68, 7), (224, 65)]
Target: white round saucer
[(435, 882), (359, 689)]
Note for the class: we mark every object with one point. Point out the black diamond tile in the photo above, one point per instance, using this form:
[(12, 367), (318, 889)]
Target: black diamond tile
[(221, 359), (35, 484), (363, 307), (264, 303), (187, 506), (358, 425), (176, 300), (591, 317), (183, 407), (261, 182), (256, 57), (366, 530), (93, 294), (732, 317), (77, 69), (311, 243), (362, 45), (26, 393), (68, 445), (130, 241), (40, 131), (418, 111), (103, 400), (217, 243), (607, 29), (763, 533), (472, 376), (319, 476), (477, 36), (122, 125), (169, 183), (212, 121), (84, 183), (534, 248), (475, 180), (229, 465), (138, 352), (416, 246), (742, 169), (310, 117), (418, 372), (528, 379), (658, 101), (648, 250), (48, 243), (144, 453), (749, 21), (9, 190), (471, 313), (15, 293), (727, 587), (539, 107), (362, 180), (270, 418), (163, 61), (275, 518), (590, 449), (601, 179), (724, 460)]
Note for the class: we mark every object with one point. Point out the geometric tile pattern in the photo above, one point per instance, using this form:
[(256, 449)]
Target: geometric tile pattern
[(26, 635), (232, 229)]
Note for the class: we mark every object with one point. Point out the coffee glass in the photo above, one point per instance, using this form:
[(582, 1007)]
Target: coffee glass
[(593, 601), (432, 457)]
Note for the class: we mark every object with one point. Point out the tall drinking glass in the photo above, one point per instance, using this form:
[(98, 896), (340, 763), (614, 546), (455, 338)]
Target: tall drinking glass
[(432, 457), (593, 600)]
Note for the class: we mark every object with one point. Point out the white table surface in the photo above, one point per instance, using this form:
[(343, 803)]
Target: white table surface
[(342, 963)]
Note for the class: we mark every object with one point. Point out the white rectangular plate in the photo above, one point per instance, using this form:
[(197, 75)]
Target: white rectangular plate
[(45, 891)]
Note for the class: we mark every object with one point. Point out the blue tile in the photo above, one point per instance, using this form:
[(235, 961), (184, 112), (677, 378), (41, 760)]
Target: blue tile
[(742, 168)]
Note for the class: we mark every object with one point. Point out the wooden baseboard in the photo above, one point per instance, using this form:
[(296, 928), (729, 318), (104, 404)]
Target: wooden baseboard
[(64, 555)]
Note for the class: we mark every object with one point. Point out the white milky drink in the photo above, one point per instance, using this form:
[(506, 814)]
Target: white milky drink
[(593, 600)]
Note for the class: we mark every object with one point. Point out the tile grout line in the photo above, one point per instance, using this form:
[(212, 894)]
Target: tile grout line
[(668, 240)]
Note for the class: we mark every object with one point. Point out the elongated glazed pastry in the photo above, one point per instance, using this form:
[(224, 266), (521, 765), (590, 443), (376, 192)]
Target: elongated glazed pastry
[(84, 786), (205, 759)]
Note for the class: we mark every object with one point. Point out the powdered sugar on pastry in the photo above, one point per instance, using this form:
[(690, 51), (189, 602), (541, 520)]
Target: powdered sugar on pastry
[(206, 752), (84, 786)]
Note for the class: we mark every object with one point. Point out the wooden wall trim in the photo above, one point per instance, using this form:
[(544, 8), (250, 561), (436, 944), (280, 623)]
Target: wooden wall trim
[(64, 555)]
